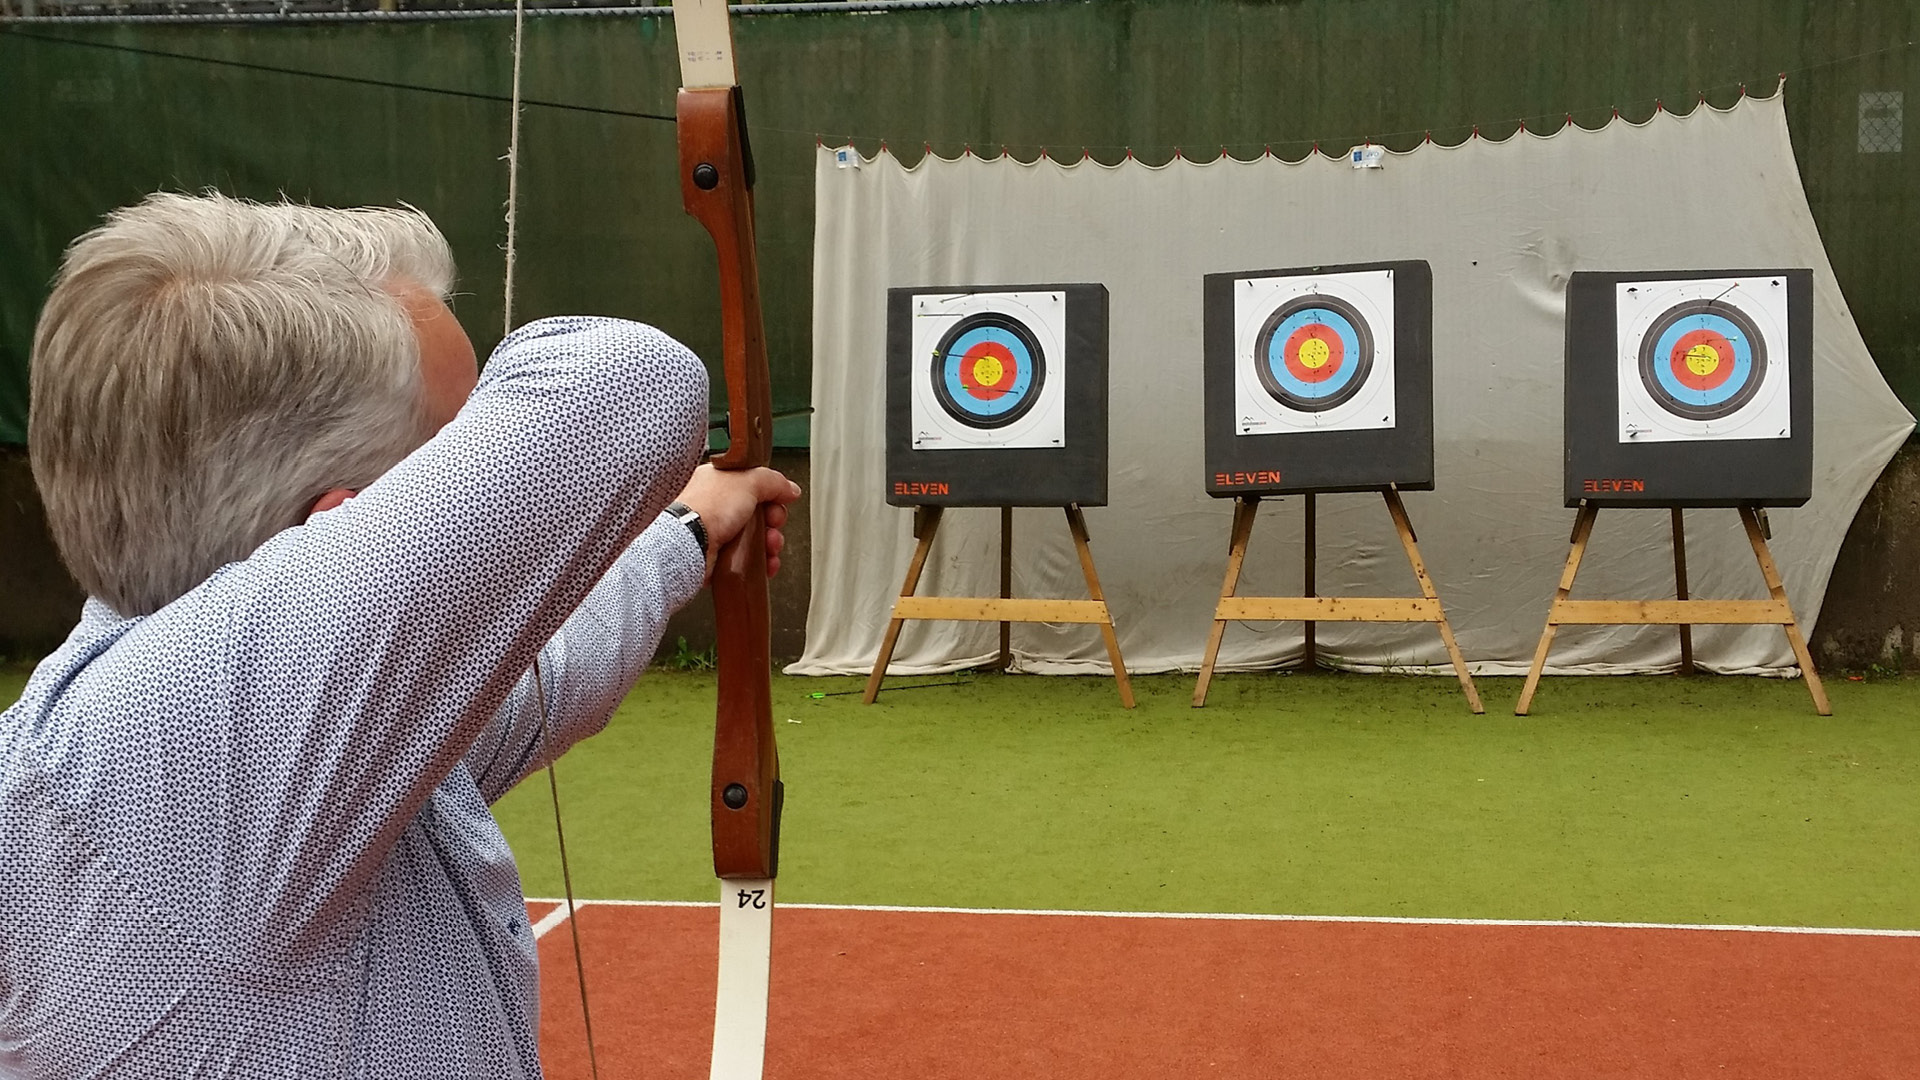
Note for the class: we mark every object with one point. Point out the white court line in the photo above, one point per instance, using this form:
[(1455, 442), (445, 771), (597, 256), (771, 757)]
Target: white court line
[(558, 916)]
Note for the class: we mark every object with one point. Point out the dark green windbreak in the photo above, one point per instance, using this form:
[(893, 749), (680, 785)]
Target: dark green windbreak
[(97, 115)]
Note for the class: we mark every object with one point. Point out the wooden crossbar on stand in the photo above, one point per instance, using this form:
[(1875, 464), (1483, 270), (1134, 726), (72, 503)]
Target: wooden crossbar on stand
[(1310, 608), (1003, 609), (1681, 611)]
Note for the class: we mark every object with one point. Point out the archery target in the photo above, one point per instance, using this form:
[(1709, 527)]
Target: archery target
[(1314, 352), (1702, 359), (990, 370)]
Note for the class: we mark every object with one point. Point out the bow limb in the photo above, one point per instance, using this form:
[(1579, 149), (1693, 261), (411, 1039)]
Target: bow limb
[(716, 181)]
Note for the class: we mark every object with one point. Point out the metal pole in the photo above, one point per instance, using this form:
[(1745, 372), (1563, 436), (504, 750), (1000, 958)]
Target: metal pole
[(1308, 659)]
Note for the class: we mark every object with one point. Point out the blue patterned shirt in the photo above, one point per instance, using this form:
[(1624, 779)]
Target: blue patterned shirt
[(248, 835)]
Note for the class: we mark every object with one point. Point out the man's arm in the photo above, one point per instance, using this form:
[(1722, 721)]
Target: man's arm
[(366, 650), (593, 661)]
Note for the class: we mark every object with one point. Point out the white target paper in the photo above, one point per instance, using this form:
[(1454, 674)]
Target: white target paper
[(1313, 352), (1703, 359), (990, 370)]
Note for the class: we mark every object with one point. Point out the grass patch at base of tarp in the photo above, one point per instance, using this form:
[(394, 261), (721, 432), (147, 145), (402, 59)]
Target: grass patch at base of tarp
[(1702, 800)]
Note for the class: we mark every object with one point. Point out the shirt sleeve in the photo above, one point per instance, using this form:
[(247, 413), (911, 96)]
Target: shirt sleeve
[(588, 667), (367, 649)]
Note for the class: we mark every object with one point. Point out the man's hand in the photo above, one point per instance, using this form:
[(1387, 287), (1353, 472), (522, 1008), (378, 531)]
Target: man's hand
[(725, 502)]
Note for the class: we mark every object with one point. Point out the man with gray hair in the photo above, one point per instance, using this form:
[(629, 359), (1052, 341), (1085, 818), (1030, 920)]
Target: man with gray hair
[(243, 809)]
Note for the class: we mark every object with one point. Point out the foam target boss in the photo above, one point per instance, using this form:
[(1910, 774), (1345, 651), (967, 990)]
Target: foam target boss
[(1319, 379), (997, 396), (1690, 389)]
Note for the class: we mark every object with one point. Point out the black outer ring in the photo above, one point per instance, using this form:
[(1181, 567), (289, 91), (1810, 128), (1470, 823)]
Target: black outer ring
[(1012, 326), (1263, 345), (1756, 373)]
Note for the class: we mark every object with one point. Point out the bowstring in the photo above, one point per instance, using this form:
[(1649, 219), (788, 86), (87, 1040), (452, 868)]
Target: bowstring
[(566, 875), (539, 680)]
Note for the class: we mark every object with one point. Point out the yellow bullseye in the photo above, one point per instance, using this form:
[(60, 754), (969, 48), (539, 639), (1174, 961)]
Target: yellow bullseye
[(1314, 354), (1702, 359), (987, 371)]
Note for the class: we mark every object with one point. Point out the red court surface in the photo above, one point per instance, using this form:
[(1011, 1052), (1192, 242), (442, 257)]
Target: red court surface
[(934, 994)]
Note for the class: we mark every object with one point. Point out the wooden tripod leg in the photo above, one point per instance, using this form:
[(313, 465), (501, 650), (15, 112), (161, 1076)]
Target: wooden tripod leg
[(1006, 584), (1582, 529), (1404, 527), (1778, 590), (1309, 658), (926, 521), (1243, 511), (1078, 525), (1680, 588)]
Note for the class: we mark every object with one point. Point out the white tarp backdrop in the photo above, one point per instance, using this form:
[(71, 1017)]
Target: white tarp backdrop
[(1503, 225)]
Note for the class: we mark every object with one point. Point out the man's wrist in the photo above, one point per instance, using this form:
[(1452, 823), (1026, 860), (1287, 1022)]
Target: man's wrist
[(688, 516)]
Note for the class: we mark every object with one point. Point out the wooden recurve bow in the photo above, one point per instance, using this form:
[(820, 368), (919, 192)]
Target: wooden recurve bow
[(716, 184)]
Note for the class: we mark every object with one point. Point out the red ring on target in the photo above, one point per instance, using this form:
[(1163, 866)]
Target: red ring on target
[(1722, 353), (988, 370), (1297, 352)]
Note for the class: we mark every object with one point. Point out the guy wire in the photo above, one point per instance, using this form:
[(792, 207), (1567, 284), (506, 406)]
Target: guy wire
[(539, 681)]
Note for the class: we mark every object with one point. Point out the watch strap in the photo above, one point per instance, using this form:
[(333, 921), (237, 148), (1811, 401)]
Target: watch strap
[(688, 516)]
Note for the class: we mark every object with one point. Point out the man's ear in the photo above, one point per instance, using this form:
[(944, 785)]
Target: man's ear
[(330, 500)]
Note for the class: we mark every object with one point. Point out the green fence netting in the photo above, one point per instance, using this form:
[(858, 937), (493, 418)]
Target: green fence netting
[(386, 111)]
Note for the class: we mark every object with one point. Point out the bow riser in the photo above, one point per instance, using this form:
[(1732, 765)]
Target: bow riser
[(711, 136), (716, 186)]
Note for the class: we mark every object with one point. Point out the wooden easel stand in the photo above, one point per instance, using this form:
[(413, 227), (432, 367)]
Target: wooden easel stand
[(1005, 608), (1310, 608), (1681, 611)]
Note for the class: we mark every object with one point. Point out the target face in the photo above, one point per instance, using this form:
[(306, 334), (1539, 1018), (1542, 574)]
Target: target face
[(988, 370), (993, 372), (1314, 352), (1703, 359)]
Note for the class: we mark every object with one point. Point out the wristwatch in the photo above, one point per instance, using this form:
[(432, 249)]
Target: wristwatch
[(688, 516)]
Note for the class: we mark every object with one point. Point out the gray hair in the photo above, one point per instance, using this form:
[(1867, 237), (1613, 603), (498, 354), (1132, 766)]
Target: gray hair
[(207, 367)]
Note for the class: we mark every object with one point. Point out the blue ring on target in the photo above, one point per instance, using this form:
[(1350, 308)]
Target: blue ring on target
[(1356, 360), (990, 329), (1716, 403)]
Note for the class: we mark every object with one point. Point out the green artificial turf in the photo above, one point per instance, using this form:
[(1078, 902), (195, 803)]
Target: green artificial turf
[(1705, 800), (1715, 800)]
